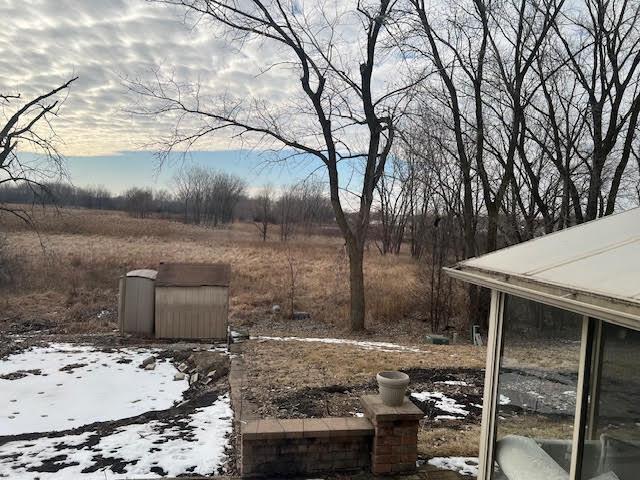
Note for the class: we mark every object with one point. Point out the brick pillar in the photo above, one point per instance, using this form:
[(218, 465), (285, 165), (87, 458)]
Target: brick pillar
[(395, 444)]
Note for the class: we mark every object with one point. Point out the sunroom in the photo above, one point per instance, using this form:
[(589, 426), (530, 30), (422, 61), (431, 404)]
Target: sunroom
[(562, 388)]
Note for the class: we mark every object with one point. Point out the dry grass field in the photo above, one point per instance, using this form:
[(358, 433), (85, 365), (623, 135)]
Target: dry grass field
[(63, 280), (67, 271)]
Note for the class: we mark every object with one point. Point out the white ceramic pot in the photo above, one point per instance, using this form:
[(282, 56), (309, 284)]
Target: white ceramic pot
[(392, 386)]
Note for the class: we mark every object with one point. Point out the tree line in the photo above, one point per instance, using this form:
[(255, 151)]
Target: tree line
[(201, 196)]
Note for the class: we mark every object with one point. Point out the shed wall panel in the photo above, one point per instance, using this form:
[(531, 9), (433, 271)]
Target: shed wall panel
[(191, 312), (136, 305)]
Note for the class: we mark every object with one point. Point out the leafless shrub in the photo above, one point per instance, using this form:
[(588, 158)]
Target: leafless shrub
[(9, 263)]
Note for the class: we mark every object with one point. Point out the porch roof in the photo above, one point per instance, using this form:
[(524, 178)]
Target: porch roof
[(592, 268)]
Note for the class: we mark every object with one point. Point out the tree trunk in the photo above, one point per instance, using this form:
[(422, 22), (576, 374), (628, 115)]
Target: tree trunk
[(356, 276), (492, 228)]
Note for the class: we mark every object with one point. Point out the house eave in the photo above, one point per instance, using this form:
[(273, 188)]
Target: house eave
[(615, 310)]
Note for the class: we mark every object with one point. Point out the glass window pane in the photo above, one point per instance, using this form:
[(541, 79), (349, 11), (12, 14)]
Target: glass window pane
[(612, 437), (538, 377)]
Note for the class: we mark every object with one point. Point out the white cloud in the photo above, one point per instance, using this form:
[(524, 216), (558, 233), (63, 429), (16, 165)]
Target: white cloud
[(102, 42)]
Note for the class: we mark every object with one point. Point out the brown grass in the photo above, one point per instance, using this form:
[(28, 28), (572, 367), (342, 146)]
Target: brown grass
[(81, 252), (547, 354), (301, 364), (536, 426), (449, 442)]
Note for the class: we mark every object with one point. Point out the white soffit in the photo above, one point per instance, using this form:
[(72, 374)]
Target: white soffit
[(600, 258)]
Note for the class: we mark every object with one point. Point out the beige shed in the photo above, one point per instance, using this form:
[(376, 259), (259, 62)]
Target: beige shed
[(136, 302), (192, 300)]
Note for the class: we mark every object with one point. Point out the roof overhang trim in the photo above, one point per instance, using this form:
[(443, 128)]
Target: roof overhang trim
[(607, 308)]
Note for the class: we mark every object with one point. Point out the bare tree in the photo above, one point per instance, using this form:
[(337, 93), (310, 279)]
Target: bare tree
[(600, 46), (264, 211), (28, 126), (288, 211), (459, 57), (293, 276), (223, 194), (302, 205), (394, 197), (192, 185), (138, 202), (208, 196), (346, 112)]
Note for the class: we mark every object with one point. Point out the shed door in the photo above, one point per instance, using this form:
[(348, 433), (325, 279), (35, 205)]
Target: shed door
[(138, 305)]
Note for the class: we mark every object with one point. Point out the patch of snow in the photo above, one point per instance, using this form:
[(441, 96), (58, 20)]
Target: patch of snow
[(447, 417), (504, 400), (98, 389), (198, 450), (455, 382), (570, 393), (442, 402), (462, 465), (380, 346)]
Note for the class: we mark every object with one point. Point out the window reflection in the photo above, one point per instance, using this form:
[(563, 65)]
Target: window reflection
[(538, 376), (611, 447)]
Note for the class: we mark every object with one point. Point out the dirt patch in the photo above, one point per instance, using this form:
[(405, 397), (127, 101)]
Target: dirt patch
[(29, 326), (344, 399), (318, 379), (314, 402), (53, 465), (72, 366), (20, 374)]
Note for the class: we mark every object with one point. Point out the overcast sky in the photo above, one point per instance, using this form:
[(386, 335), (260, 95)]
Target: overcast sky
[(45, 42)]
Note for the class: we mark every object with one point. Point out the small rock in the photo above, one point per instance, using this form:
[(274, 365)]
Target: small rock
[(193, 379), (301, 316), (183, 367), (238, 336), (179, 376), (148, 361), (275, 309), (150, 366), (212, 373)]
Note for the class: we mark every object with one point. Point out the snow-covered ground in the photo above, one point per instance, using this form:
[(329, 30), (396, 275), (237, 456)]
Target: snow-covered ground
[(446, 404), (462, 465), (380, 346), (458, 383), (72, 385), (63, 386), (154, 448)]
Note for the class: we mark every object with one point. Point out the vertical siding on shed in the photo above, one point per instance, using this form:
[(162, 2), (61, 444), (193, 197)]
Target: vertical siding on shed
[(136, 305), (191, 312)]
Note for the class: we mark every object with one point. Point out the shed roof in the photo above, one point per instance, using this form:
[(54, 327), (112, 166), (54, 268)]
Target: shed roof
[(143, 273), (193, 275), (592, 268)]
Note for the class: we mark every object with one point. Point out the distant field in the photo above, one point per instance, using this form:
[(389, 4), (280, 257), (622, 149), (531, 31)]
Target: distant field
[(76, 256)]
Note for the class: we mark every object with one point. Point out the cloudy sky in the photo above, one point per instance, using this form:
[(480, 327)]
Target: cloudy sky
[(105, 43)]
